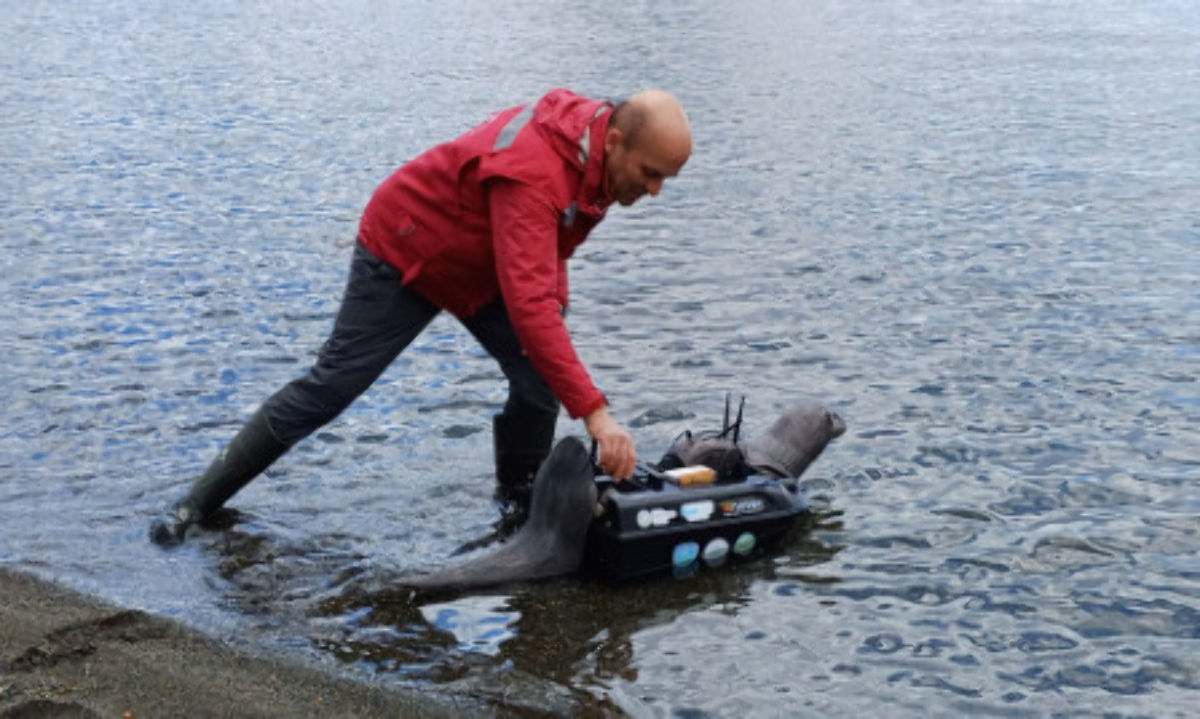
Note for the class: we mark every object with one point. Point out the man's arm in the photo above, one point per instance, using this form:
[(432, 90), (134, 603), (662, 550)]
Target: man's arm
[(525, 241)]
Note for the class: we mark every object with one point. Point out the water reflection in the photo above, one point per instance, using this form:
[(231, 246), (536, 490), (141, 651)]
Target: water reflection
[(574, 632)]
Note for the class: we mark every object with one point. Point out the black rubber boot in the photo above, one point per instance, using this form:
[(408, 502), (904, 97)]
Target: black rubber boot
[(250, 452), (521, 443)]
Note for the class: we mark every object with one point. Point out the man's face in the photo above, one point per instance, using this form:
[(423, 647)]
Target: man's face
[(641, 168)]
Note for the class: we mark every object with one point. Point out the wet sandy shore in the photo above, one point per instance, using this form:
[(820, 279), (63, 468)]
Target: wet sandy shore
[(65, 655)]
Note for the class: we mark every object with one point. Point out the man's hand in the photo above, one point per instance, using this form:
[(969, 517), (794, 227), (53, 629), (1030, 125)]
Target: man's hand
[(617, 456)]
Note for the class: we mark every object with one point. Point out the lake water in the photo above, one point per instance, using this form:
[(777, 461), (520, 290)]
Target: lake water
[(970, 228)]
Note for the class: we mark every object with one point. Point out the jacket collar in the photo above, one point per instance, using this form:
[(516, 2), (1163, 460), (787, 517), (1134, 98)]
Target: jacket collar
[(593, 196)]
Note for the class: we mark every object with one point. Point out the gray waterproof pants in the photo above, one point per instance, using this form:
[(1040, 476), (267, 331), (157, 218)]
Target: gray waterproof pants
[(378, 318)]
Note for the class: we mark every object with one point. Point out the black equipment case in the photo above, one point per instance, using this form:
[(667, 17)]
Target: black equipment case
[(653, 526)]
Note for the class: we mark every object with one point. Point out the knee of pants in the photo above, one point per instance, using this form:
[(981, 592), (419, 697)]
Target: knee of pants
[(535, 400), (305, 405), (527, 391)]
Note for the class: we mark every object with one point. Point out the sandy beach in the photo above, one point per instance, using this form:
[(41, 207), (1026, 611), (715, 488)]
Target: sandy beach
[(64, 655)]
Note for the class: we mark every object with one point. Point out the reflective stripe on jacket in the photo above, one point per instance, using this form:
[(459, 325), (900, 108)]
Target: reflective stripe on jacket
[(498, 211)]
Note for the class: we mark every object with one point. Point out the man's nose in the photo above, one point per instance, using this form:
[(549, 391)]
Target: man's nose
[(654, 187)]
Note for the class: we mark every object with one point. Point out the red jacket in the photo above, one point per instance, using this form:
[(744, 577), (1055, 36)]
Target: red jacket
[(497, 212)]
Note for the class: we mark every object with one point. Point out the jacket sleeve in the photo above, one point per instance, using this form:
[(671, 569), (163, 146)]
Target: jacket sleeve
[(525, 241)]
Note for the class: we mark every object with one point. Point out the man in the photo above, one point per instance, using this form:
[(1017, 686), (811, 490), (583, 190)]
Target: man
[(482, 227)]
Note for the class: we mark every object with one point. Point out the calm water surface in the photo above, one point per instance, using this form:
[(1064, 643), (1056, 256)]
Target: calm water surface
[(970, 228)]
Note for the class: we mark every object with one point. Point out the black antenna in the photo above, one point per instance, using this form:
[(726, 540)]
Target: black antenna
[(737, 426), (725, 424)]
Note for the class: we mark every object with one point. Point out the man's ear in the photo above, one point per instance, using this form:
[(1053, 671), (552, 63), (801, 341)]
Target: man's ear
[(612, 138)]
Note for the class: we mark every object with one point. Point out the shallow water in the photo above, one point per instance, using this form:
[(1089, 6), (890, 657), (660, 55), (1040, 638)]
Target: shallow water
[(971, 230)]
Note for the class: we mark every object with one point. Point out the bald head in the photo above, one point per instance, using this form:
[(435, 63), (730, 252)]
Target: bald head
[(649, 139), (658, 114)]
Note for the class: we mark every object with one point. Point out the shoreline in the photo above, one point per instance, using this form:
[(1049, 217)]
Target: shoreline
[(64, 654)]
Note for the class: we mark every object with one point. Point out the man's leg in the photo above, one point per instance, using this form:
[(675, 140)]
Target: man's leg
[(378, 318), (523, 433)]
